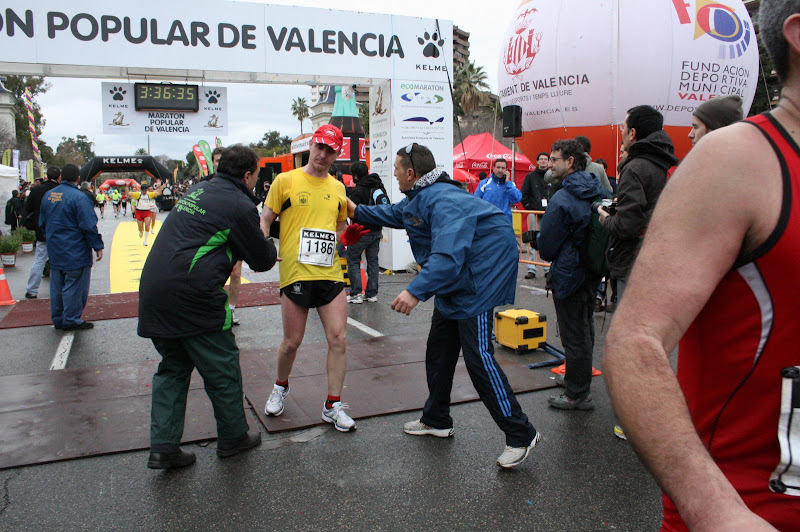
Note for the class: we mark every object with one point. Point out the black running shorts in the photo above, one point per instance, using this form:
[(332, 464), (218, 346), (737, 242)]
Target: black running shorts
[(312, 294)]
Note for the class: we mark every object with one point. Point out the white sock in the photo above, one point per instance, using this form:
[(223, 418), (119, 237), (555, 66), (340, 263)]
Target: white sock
[(145, 238), (232, 307)]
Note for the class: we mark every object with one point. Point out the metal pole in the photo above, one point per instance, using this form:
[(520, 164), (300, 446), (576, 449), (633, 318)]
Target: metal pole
[(513, 159)]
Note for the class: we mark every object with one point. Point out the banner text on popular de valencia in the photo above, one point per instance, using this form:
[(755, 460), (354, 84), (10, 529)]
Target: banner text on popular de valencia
[(90, 27)]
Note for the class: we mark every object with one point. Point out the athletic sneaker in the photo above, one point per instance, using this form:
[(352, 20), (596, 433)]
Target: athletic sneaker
[(373, 299), (562, 402), (513, 456), (418, 428), (356, 299), (619, 432), (336, 415), (274, 406), (234, 319)]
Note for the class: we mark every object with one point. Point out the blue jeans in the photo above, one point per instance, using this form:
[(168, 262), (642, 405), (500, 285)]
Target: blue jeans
[(69, 290), (371, 244), (35, 277)]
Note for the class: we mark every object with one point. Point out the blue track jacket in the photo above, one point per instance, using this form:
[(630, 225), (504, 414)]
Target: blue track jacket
[(465, 245), (501, 196), (68, 220)]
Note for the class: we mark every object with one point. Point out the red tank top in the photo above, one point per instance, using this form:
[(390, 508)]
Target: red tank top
[(737, 361)]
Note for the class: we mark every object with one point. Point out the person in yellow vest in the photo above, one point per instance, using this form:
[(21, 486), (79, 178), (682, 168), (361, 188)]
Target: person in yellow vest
[(116, 199), (101, 201), (145, 200)]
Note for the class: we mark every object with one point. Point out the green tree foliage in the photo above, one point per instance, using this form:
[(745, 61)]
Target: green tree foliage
[(469, 89), (73, 151), (363, 115), (16, 86), (272, 143), (300, 111)]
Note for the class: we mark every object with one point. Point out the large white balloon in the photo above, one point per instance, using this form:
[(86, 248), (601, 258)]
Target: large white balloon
[(576, 67)]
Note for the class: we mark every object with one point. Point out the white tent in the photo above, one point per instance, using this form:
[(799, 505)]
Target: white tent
[(9, 180)]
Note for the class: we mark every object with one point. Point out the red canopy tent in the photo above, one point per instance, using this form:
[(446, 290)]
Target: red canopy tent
[(478, 152)]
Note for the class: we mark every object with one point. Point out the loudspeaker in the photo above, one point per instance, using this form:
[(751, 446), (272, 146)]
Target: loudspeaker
[(512, 121)]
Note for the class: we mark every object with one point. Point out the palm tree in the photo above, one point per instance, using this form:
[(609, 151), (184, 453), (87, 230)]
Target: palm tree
[(300, 110), (470, 88)]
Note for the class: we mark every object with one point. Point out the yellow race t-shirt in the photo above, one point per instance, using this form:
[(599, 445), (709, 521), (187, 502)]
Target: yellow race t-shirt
[(308, 225)]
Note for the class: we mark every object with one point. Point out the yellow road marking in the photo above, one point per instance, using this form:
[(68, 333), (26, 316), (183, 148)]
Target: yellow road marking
[(128, 256)]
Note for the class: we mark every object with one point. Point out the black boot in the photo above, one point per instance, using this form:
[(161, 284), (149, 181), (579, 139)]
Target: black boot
[(170, 460), (232, 447)]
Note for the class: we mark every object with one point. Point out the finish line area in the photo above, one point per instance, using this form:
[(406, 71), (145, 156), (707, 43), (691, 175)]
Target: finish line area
[(378, 474)]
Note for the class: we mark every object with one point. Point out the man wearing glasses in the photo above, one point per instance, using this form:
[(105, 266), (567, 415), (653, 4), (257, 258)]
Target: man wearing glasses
[(467, 288), (562, 240)]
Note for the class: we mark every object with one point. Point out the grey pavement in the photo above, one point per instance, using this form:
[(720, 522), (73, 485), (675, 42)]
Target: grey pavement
[(580, 477)]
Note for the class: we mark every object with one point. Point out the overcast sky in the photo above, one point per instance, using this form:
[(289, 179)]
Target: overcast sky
[(72, 106)]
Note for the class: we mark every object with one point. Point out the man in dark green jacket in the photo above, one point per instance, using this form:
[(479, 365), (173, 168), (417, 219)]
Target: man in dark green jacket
[(184, 309)]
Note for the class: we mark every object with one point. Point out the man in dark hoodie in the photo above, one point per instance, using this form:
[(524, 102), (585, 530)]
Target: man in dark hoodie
[(642, 178), (562, 241), (369, 190), (452, 233)]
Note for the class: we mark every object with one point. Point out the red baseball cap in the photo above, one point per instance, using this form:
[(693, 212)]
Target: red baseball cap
[(329, 135)]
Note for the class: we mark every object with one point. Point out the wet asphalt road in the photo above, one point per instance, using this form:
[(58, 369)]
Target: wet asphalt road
[(580, 477)]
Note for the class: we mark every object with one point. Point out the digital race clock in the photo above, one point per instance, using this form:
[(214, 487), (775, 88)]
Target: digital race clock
[(165, 97)]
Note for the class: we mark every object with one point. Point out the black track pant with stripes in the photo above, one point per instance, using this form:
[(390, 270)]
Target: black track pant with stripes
[(474, 336)]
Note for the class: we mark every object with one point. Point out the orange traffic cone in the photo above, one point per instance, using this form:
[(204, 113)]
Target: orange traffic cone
[(563, 369), (5, 293)]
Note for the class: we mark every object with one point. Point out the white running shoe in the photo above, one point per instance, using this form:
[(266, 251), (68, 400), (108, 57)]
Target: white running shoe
[(336, 415), (373, 299), (234, 319), (418, 428), (356, 299), (513, 456), (274, 406)]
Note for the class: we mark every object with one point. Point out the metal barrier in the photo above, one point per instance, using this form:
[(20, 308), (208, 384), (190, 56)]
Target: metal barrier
[(525, 249)]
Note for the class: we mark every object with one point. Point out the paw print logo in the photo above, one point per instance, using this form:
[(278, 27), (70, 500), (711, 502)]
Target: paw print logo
[(432, 43), (213, 96), (118, 93)]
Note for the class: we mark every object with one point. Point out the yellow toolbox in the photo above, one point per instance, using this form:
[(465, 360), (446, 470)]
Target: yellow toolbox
[(520, 329)]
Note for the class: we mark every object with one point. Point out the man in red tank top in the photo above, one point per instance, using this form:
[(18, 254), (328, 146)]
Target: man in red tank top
[(718, 272)]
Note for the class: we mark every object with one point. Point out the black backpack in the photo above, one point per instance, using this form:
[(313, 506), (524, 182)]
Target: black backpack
[(594, 256)]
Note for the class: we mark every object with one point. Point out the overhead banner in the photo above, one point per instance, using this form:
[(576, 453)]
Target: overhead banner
[(120, 116), (673, 55), (255, 39)]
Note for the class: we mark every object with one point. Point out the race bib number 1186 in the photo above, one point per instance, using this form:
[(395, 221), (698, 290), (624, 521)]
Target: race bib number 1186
[(317, 247)]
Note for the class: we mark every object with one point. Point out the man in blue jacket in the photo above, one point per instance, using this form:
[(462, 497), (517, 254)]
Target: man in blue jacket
[(562, 241), (498, 190), (69, 223), (468, 254)]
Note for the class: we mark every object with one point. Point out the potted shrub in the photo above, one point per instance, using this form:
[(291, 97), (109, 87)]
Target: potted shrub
[(28, 239), (9, 245)]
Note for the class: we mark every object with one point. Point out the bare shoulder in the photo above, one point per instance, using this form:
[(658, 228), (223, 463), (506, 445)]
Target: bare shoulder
[(733, 173)]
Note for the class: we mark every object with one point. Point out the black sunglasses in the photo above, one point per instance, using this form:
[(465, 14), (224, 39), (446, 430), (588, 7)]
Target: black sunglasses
[(410, 158)]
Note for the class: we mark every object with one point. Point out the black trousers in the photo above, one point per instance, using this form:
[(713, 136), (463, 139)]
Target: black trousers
[(474, 336), (575, 315)]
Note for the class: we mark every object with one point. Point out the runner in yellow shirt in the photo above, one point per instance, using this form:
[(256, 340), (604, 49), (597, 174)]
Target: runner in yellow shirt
[(145, 200), (313, 210)]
